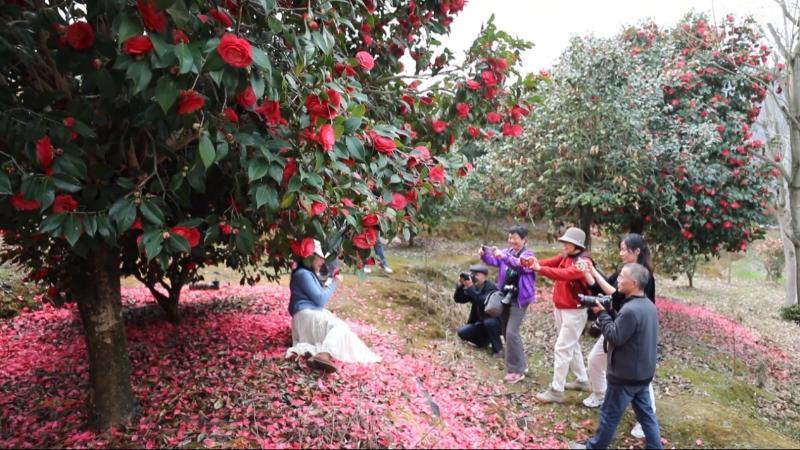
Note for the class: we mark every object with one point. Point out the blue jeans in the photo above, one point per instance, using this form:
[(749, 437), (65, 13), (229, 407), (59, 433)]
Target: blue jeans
[(617, 399), (379, 253)]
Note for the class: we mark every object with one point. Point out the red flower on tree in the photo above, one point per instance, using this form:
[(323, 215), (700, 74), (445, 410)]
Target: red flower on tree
[(370, 220), (235, 51), (439, 126), (383, 144), (179, 37), (137, 45), (80, 35), (327, 137), (64, 203), (437, 174), (398, 202), (303, 248), (493, 117), (318, 208), (462, 109), (270, 110), (246, 98), (231, 115), (189, 102), (366, 239), (289, 170), (221, 17), (19, 203), (153, 19), (365, 60), (44, 152), (191, 235)]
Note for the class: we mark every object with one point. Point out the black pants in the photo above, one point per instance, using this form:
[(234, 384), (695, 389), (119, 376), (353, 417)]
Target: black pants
[(483, 333)]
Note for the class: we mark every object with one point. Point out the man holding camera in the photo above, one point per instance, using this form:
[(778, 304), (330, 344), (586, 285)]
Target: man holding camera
[(481, 329), (632, 339)]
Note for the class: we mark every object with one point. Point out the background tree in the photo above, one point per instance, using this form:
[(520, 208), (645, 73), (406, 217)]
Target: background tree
[(155, 137)]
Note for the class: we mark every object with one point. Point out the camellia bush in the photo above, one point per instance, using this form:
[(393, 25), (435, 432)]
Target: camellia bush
[(649, 132), (152, 138)]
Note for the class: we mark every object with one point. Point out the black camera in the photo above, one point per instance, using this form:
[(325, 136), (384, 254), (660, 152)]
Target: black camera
[(509, 294), (464, 276), (589, 301)]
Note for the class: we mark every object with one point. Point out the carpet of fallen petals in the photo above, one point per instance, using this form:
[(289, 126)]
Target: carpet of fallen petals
[(220, 379)]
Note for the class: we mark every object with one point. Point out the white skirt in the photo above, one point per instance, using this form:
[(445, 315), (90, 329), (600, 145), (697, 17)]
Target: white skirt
[(319, 331)]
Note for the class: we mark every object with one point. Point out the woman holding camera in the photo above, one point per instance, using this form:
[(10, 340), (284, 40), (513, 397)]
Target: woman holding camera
[(520, 282), (632, 249)]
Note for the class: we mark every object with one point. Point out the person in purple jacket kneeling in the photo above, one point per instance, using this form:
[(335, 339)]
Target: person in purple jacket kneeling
[(520, 283)]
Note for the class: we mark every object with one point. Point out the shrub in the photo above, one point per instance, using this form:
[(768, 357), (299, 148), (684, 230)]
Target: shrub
[(771, 252), (791, 313)]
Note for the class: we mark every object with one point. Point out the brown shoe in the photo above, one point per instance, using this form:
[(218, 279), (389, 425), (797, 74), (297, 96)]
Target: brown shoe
[(322, 361)]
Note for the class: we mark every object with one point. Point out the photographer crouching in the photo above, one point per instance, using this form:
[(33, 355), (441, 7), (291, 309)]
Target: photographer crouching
[(481, 329), (632, 340)]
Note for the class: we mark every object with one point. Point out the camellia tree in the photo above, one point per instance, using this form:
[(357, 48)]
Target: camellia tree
[(659, 141), (151, 138)]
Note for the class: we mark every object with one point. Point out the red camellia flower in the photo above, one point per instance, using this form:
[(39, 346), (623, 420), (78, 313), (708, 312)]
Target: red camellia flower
[(19, 203), (221, 17), (437, 174), (231, 115), (366, 239), (473, 85), (225, 228), (44, 152), (190, 101), (462, 109), (327, 137), (439, 126), (365, 60), (514, 130), (80, 35), (370, 220), (382, 144), (68, 122), (318, 208), (138, 45), (423, 152), (235, 51), (493, 117), (489, 78), (303, 248), (246, 98), (137, 224), (289, 170), (153, 19), (325, 109), (64, 203), (462, 172), (191, 235), (398, 202), (347, 202), (474, 132), (270, 110), (179, 37)]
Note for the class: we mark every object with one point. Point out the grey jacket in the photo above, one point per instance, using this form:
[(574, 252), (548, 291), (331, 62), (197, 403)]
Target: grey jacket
[(633, 340)]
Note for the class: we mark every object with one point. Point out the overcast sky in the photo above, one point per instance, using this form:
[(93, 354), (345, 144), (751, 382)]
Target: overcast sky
[(549, 24)]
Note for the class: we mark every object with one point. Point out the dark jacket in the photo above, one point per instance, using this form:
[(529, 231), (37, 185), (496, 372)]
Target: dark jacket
[(475, 296), (618, 298), (633, 341)]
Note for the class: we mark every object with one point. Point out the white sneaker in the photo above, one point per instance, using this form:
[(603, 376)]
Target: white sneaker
[(637, 431), (367, 269), (593, 401), (387, 269)]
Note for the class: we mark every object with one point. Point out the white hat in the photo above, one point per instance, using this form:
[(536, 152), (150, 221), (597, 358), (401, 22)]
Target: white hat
[(574, 236), (318, 249)]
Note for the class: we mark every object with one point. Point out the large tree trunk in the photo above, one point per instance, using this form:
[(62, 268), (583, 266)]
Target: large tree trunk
[(587, 216), (792, 234), (169, 303), (789, 252), (97, 290)]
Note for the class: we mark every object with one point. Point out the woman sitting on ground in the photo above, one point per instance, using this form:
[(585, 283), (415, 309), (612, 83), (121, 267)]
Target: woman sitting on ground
[(316, 332)]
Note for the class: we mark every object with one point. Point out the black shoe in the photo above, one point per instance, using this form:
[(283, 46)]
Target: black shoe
[(499, 355)]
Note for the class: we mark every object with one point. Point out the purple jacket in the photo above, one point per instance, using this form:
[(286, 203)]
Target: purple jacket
[(527, 277)]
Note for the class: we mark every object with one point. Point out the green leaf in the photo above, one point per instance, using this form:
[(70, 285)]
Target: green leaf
[(72, 229), (257, 168), (178, 244), (105, 83), (197, 178), (276, 172), (152, 213), (123, 212), (83, 129), (180, 14), (185, 58), (152, 243), (52, 224), (66, 182), (166, 92), (258, 85), (160, 45), (5, 184), (129, 27), (207, 151), (222, 151), (287, 200), (352, 124), (163, 4), (261, 60), (295, 184), (244, 241), (268, 5), (314, 180), (141, 75), (90, 224), (355, 147)]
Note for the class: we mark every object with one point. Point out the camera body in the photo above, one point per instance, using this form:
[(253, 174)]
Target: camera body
[(509, 294), (589, 301)]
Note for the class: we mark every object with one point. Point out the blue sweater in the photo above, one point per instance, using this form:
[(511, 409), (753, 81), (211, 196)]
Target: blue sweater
[(307, 292)]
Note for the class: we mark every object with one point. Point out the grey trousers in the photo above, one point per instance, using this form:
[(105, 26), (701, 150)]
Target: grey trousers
[(516, 362)]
